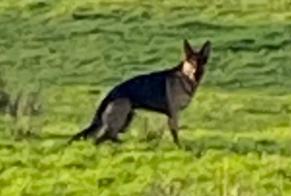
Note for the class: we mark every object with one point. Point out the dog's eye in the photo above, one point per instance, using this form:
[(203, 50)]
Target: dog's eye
[(193, 63)]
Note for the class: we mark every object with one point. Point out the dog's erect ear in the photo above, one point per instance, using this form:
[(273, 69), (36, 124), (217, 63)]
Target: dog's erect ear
[(188, 50), (205, 52)]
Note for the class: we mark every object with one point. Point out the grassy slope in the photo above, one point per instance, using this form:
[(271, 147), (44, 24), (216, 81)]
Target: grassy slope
[(236, 132)]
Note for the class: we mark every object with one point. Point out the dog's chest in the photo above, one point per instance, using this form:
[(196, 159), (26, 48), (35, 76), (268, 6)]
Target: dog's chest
[(181, 92)]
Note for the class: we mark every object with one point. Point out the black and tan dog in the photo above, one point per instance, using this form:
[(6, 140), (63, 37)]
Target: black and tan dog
[(167, 92)]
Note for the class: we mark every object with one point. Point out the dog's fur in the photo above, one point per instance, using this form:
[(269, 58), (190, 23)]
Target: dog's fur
[(166, 92)]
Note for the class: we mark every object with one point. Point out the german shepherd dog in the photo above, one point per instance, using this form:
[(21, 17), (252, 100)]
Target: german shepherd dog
[(167, 92)]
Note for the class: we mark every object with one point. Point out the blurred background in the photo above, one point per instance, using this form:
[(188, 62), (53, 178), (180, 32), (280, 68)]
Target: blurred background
[(59, 58)]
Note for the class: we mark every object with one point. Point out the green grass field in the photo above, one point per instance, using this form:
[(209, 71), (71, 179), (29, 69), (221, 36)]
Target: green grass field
[(236, 133)]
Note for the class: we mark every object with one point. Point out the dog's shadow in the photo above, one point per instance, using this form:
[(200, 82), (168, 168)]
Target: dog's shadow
[(241, 145), (198, 146)]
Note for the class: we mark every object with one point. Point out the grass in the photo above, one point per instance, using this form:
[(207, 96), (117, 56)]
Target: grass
[(236, 133)]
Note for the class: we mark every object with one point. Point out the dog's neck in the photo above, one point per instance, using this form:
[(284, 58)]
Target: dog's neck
[(188, 84), (180, 70)]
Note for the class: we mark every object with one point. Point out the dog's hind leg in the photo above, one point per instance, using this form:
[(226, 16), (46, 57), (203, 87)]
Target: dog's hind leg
[(127, 122), (115, 119), (107, 136)]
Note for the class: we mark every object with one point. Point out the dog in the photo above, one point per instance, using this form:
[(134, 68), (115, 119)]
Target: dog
[(167, 92)]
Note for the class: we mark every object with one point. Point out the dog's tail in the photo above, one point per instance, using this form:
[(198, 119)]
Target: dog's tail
[(94, 127), (96, 124)]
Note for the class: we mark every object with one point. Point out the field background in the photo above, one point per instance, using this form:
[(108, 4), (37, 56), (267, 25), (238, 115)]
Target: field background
[(58, 58)]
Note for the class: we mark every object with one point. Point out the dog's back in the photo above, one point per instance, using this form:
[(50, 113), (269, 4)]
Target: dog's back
[(145, 91)]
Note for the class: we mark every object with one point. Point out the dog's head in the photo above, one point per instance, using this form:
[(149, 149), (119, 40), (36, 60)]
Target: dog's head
[(194, 61)]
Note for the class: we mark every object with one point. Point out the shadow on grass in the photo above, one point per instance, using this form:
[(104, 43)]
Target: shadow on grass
[(242, 145), (57, 137), (197, 146)]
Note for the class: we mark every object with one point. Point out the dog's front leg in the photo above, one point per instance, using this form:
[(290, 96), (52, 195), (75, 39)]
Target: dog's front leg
[(172, 110), (173, 126)]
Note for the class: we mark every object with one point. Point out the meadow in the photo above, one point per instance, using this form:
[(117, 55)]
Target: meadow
[(58, 59)]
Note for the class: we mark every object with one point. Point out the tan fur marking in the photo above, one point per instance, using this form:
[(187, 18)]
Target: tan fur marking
[(108, 109), (189, 70)]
